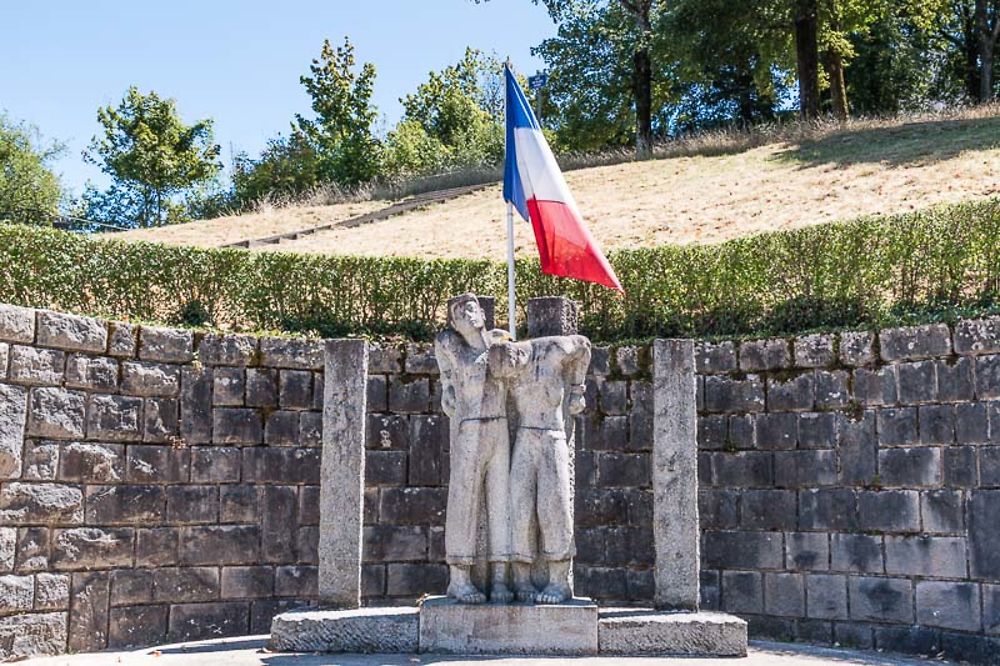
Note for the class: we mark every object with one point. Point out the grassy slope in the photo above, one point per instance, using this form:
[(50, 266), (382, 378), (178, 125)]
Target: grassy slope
[(802, 178)]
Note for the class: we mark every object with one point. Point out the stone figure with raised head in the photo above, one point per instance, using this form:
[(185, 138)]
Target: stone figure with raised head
[(476, 403), (546, 377)]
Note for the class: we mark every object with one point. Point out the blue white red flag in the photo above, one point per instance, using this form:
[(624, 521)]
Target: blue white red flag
[(534, 185)]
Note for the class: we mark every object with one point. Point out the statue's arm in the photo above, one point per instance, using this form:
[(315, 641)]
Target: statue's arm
[(446, 368), (576, 372)]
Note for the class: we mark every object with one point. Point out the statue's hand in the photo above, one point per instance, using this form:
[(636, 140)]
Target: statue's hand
[(577, 399)]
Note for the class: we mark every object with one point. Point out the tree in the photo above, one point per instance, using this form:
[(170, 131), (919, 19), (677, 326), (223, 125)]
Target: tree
[(806, 22), (288, 166), (28, 187), (151, 157), (342, 133), (987, 19)]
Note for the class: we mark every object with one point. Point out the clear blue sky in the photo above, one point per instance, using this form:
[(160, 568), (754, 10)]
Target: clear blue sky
[(238, 62)]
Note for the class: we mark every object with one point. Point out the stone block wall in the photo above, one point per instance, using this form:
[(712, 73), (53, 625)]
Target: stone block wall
[(850, 487), (155, 484), (406, 478)]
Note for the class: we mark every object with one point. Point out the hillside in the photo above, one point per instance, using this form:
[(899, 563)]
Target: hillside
[(820, 175)]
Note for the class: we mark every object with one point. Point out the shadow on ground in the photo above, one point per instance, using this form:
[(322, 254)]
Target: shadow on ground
[(911, 144)]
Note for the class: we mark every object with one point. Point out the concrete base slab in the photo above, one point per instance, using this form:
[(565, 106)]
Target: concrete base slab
[(569, 628), (364, 630), (646, 632)]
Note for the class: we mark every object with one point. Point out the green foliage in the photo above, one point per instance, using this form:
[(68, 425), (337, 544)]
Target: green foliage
[(26, 181), (341, 135), (871, 272), (287, 166), (151, 156)]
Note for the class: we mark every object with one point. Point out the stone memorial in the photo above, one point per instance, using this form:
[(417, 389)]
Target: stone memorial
[(511, 406)]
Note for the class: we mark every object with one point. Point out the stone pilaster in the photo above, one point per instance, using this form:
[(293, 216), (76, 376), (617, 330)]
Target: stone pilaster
[(552, 315)]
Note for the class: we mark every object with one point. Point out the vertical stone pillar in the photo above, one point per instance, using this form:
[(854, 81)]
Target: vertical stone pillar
[(488, 304), (552, 315), (341, 494), (675, 476)]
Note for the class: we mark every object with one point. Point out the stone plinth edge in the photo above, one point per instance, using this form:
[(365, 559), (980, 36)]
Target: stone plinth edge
[(560, 629), (642, 632), (385, 630)]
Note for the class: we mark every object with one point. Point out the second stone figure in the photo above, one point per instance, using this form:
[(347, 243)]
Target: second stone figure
[(492, 387)]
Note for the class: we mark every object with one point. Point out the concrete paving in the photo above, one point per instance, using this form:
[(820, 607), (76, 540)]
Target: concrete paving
[(250, 651)]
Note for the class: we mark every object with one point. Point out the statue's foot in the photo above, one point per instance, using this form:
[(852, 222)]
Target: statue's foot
[(466, 593), (501, 594), (554, 593), (525, 592)]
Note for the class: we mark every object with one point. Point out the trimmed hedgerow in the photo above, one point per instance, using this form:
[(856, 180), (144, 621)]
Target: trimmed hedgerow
[(870, 272)]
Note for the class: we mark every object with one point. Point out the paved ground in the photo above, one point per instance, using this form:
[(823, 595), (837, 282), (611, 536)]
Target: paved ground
[(249, 651)]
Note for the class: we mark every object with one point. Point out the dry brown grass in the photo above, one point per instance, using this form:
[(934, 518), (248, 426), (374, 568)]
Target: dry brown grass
[(707, 188)]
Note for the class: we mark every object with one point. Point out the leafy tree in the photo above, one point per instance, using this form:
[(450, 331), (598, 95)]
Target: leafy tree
[(151, 157), (342, 133), (411, 151), (286, 167), (27, 184), (461, 107)]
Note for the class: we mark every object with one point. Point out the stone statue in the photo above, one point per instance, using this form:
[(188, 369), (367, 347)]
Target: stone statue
[(476, 403), (546, 377)]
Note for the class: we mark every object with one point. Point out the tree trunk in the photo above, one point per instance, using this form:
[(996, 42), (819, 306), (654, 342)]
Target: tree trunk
[(643, 105), (807, 57), (986, 34), (838, 89)]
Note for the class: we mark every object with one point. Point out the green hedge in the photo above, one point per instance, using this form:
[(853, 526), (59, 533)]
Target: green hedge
[(870, 272)]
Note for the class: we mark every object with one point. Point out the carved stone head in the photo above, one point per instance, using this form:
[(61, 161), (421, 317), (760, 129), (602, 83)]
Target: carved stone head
[(465, 315)]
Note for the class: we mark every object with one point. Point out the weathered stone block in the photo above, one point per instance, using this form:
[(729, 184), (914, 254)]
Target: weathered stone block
[(784, 594), (219, 544), (160, 420), (32, 549), (713, 358), (776, 431), (38, 367), (125, 505), (8, 546), (281, 465), (156, 546), (960, 467), (743, 550), (361, 630), (984, 525), (413, 506), (897, 427), (92, 463), (215, 464), (857, 348), (856, 553), (48, 503), (193, 622), (150, 379), (114, 418), (295, 389), (881, 599), (988, 377), (916, 342), (56, 413), (977, 336), (263, 612), (408, 395), (795, 394), (311, 429), (827, 597), (97, 373), (769, 509), (420, 359), (282, 428), (742, 592), (192, 504), (123, 340), (166, 345), (971, 423), (928, 556), (832, 389), (624, 469), (17, 324), (942, 511), (17, 594), (817, 431), (238, 504), (228, 349), (196, 405), (391, 543), (13, 415), (955, 380), (41, 460), (949, 605), (261, 387), (428, 439), (235, 425), (807, 551), (828, 509), (748, 469), (88, 614), (71, 332), (917, 382), (52, 591), (294, 354), (906, 467), (25, 636), (296, 581), (764, 355), (889, 510), (249, 582), (228, 387), (815, 351), (137, 626), (385, 468), (384, 358), (875, 386), (157, 464), (937, 424), (723, 394)]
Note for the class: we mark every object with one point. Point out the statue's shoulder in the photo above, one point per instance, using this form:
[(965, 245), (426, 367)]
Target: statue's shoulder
[(446, 340), (499, 335)]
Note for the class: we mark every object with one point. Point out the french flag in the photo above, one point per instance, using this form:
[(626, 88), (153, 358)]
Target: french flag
[(534, 185)]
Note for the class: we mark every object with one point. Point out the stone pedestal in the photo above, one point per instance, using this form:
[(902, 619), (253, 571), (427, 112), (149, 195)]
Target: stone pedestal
[(569, 628), (385, 630), (641, 632)]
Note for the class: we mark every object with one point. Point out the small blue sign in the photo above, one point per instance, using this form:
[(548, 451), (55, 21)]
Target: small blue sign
[(537, 81)]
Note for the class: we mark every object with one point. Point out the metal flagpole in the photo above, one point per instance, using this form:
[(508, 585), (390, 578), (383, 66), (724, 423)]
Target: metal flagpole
[(511, 301)]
